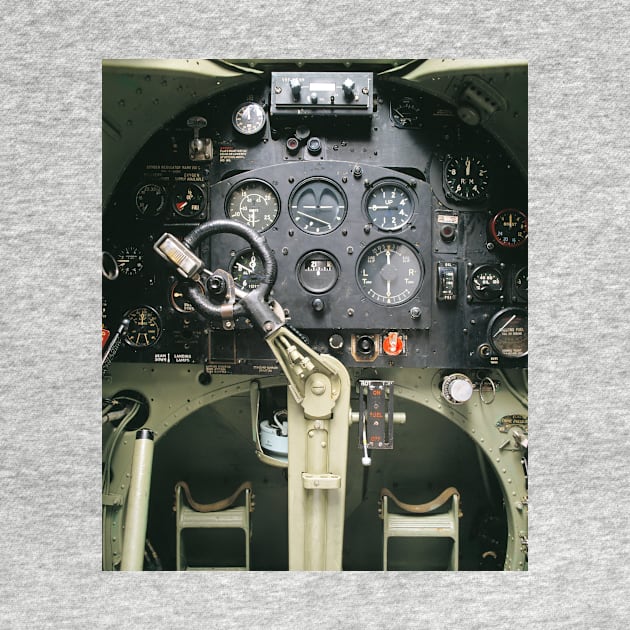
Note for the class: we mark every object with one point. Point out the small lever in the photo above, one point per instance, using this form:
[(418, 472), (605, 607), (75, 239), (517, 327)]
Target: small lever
[(200, 148)]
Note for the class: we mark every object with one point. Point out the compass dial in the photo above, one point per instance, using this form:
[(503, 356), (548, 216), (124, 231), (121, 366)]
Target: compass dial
[(253, 203), (144, 327), (465, 178), (389, 272)]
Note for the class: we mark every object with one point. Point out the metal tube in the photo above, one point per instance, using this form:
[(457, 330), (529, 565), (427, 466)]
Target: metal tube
[(138, 502), (316, 503)]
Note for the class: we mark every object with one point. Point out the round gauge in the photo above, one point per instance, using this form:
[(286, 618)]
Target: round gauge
[(130, 260), (188, 199), (150, 200), (317, 206), (389, 205), (318, 272), (520, 283), (247, 269), (507, 333), (465, 178), (405, 113), (389, 272), (144, 327), (508, 228), (254, 203), (178, 298), (486, 283), (249, 118)]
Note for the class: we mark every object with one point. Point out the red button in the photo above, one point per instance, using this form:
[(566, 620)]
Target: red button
[(393, 344), (104, 336)]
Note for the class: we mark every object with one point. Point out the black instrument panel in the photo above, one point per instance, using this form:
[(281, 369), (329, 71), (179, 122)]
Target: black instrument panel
[(405, 225)]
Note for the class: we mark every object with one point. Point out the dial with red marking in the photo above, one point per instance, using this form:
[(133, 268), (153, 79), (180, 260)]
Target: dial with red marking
[(188, 199), (508, 228)]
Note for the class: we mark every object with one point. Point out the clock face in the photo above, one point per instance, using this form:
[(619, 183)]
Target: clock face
[(465, 178)]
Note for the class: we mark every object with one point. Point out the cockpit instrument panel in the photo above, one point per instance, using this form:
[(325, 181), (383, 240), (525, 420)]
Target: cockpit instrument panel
[(388, 216)]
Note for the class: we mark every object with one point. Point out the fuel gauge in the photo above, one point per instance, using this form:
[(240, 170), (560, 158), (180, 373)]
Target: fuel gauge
[(507, 333)]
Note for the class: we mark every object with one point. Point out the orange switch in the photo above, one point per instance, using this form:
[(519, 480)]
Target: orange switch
[(393, 344)]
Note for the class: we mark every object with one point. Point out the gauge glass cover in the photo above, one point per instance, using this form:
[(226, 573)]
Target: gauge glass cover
[(520, 283), (405, 113), (389, 205), (253, 203), (188, 199), (389, 272), (247, 269), (318, 206), (144, 327), (318, 272), (130, 260), (507, 333), (486, 283), (508, 228), (150, 200), (178, 298), (465, 178), (249, 118)]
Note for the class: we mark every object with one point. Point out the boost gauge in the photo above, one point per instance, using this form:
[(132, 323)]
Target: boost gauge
[(144, 327), (254, 203), (249, 118), (389, 272), (465, 178), (508, 228)]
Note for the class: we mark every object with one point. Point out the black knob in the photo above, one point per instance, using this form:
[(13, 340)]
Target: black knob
[(336, 342), (318, 305), (216, 285), (314, 145)]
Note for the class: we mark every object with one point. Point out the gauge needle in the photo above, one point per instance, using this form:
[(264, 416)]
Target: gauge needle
[(316, 207), (389, 257), (308, 216), (504, 325), (375, 207), (179, 205), (389, 289), (467, 166), (242, 267)]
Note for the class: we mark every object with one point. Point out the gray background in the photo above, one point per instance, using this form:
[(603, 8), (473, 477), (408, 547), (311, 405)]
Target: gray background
[(50, 95)]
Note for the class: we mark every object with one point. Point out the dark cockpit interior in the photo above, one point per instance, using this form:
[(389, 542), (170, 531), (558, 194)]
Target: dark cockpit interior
[(315, 299)]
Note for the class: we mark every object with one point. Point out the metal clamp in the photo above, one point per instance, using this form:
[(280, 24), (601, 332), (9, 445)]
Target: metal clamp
[(492, 386)]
